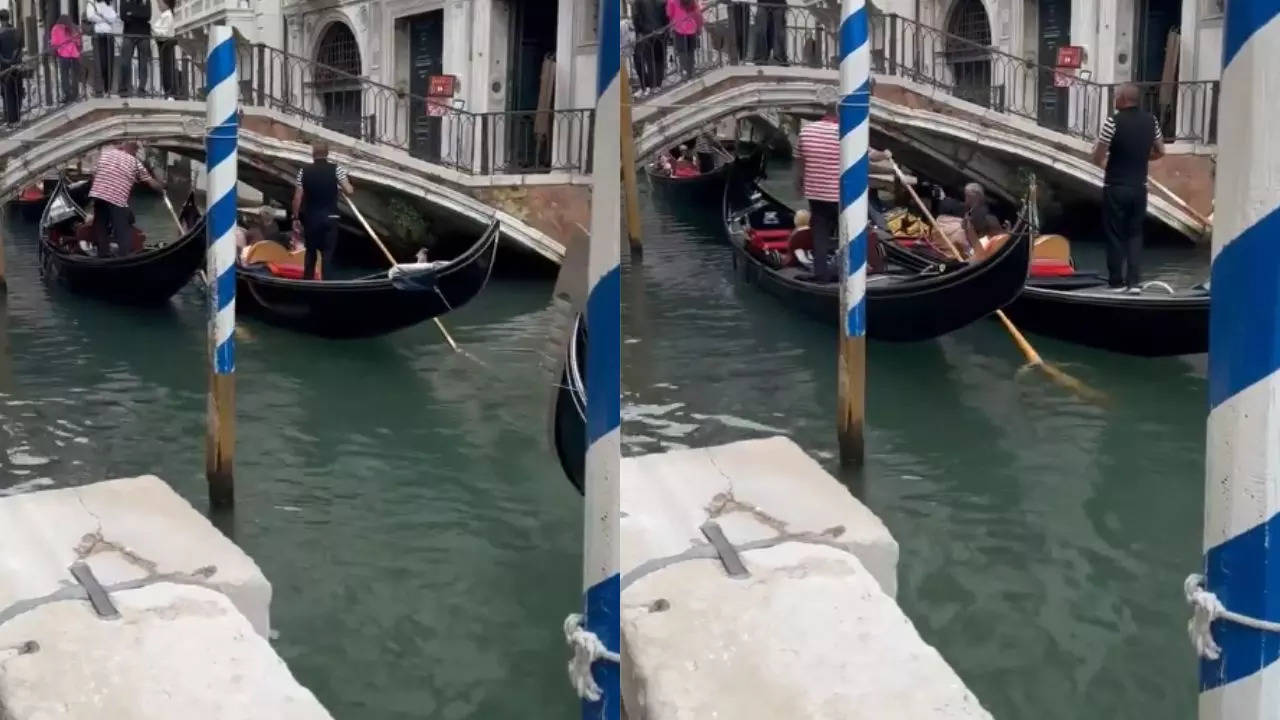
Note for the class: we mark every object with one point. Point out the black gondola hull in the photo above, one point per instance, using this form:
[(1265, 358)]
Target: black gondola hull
[(899, 308), (710, 187), (150, 277), (1145, 325), (367, 307)]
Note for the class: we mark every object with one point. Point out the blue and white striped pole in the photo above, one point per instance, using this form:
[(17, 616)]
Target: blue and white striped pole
[(1242, 481), (855, 134), (222, 110), (604, 383)]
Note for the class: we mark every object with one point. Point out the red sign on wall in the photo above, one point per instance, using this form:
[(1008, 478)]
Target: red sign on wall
[(442, 85), (1070, 56)]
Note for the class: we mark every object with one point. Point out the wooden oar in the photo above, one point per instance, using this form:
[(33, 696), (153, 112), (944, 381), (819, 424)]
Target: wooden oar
[(391, 259), (169, 204), (1033, 357)]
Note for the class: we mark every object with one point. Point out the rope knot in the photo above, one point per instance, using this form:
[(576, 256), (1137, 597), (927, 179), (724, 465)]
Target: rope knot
[(1206, 607), (587, 649)]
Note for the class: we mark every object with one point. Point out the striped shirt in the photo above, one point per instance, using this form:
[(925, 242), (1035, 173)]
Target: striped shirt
[(114, 176), (339, 170), (1109, 130), (819, 147)]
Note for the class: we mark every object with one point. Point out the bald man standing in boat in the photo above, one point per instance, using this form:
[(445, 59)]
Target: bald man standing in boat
[(1130, 139)]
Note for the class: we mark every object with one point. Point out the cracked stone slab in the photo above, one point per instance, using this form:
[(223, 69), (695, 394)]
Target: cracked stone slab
[(809, 635), (127, 531), (755, 490), (179, 651)]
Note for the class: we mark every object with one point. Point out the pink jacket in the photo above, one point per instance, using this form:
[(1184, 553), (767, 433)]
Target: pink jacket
[(65, 43), (684, 22)]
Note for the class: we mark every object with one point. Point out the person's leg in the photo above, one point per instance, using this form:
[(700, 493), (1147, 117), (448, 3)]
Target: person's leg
[(9, 86), (123, 71), (1113, 232), (122, 229), (169, 68), (780, 33), (144, 66), (822, 220), (1137, 217), (739, 20), (107, 61), (102, 227)]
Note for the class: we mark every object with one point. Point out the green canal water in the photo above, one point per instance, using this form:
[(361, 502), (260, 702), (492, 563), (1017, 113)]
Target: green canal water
[(1043, 540), (422, 542)]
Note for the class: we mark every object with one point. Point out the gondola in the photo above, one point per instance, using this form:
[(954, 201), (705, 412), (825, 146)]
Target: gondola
[(32, 200), (149, 276), (902, 304), (709, 186), (1063, 303), (368, 306), (570, 422)]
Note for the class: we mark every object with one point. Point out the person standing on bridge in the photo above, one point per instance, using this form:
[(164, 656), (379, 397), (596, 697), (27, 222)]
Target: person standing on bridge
[(162, 30), (106, 25), (10, 69), (1129, 140), (64, 41), (650, 17), (315, 206), (136, 15), (686, 23), (817, 156), (114, 175)]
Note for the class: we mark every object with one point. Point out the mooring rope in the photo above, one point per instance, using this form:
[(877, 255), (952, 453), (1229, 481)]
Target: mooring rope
[(587, 649), (1207, 608)]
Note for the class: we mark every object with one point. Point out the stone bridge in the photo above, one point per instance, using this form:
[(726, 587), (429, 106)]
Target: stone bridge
[(467, 165), (920, 113)]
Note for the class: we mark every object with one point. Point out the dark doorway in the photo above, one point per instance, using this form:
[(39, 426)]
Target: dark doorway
[(426, 58), (337, 80), (969, 51), (1153, 21), (533, 43), (1055, 32)]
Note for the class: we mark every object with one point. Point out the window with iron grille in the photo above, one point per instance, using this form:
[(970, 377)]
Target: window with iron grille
[(336, 79), (969, 30)]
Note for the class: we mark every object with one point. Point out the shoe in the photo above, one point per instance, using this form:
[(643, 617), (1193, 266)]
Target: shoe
[(1133, 291)]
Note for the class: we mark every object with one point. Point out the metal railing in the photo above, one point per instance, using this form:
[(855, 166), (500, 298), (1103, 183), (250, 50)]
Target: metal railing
[(429, 129), (735, 33)]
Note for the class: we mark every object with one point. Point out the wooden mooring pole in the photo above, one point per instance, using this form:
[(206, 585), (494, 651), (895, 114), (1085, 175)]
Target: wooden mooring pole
[(220, 198), (1239, 673), (630, 192), (855, 137)]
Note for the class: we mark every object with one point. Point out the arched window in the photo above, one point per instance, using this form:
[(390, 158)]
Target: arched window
[(969, 51), (337, 79)]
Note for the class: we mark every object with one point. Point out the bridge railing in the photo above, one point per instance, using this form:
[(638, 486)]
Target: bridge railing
[(738, 33), (429, 129)]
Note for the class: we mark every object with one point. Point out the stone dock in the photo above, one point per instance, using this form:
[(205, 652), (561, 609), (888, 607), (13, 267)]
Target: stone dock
[(786, 611), (163, 617)]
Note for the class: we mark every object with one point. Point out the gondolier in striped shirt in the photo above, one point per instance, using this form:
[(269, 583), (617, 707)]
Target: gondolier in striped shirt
[(818, 178), (315, 206), (114, 175)]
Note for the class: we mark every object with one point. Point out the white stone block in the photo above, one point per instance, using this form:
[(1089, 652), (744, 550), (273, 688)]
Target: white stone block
[(178, 651), (755, 490), (125, 530), (809, 635)]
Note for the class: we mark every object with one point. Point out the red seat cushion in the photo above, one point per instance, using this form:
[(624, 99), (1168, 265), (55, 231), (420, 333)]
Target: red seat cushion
[(1051, 268), (290, 271)]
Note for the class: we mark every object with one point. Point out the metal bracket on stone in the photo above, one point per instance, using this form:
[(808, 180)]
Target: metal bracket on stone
[(97, 595), (728, 554)]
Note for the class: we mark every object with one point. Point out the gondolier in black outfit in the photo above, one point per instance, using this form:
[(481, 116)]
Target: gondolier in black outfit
[(315, 205), (1129, 140)]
